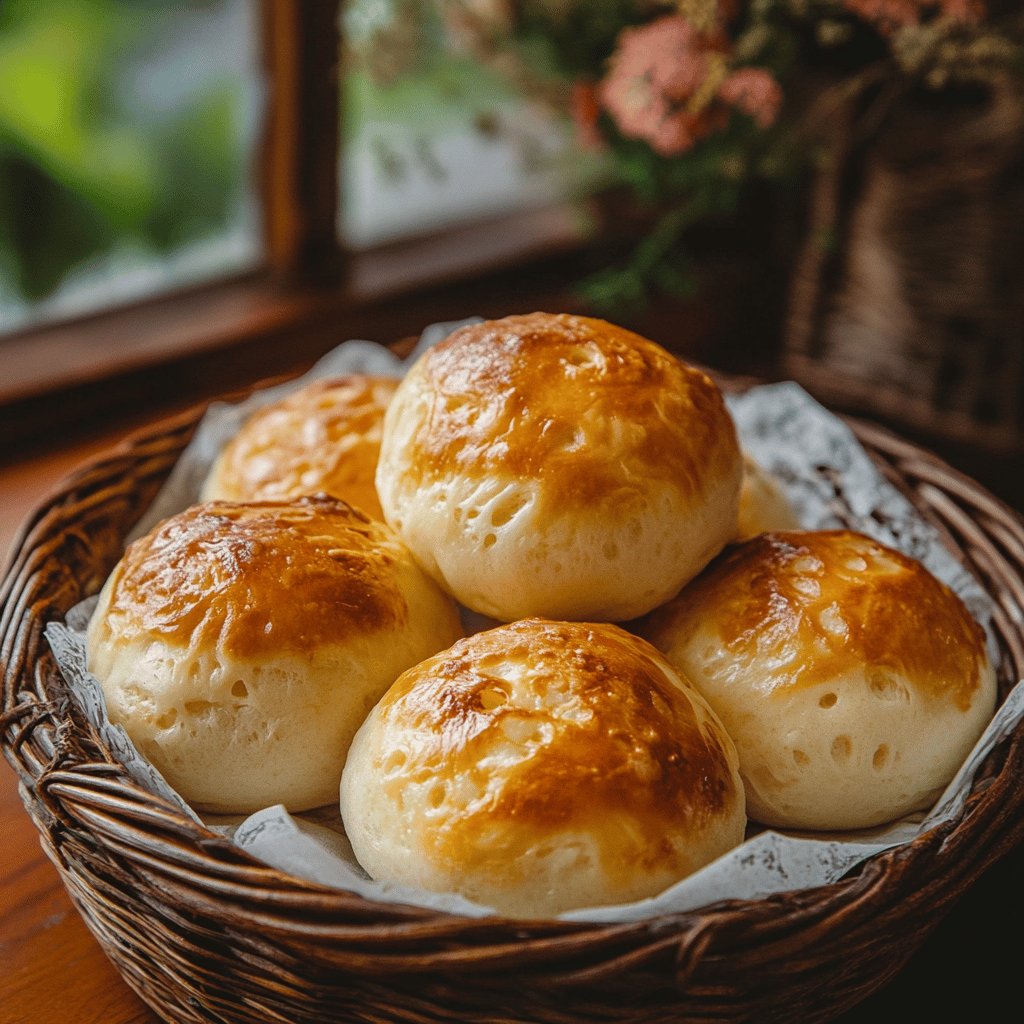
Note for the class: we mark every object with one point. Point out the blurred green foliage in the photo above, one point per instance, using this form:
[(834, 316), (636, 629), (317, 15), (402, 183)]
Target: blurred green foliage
[(89, 160)]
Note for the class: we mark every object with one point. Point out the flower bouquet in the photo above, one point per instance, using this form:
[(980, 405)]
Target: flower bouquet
[(702, 107)]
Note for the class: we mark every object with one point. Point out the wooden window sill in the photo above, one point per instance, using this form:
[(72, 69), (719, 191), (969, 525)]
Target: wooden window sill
[(50, 358), (190, 346)]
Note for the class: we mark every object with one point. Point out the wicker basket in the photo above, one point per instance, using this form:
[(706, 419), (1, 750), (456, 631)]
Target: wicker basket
[(203, 932), (907, 294)]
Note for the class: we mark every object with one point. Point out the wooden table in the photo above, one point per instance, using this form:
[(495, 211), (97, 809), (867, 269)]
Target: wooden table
[(54, 972), (53, 969)]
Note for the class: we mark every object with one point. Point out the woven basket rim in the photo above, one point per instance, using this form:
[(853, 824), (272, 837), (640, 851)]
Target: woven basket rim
[(75, 790)]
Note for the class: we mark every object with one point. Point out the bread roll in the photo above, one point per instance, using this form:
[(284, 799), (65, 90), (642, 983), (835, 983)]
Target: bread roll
[(852, 680), (558, 466), (763, 506), (542, 766), (323, 437), (241, 646)]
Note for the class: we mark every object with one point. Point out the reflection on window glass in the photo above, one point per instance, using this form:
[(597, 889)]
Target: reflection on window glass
[(126, 133), (431, 134)]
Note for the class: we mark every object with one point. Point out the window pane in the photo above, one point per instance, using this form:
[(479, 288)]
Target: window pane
[(126, 134), (431, 135)]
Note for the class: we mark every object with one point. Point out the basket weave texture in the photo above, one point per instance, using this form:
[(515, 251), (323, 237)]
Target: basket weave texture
[(203, 932), (911, 310)]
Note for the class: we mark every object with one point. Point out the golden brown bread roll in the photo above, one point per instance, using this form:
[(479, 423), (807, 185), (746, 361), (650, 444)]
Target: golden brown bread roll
[(852, 680), (542, 766), (763, 506), (241, 646), (559, 466), (324, 437)]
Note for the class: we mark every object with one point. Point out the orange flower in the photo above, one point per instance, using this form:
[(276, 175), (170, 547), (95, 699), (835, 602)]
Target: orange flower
[(584, 110)]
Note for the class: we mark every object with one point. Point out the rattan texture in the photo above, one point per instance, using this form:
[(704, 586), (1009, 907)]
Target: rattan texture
[(203, 932)]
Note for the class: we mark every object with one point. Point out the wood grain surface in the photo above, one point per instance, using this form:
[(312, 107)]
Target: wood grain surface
[(54, 971)]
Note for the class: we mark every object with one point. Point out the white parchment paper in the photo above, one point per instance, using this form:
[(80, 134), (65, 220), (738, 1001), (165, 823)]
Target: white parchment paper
[(829, 481)]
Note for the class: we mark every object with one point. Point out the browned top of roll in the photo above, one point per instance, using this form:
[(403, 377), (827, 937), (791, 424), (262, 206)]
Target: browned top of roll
[(601, 720), (572, 400), (323, 437), (817, 604), (270, 577)]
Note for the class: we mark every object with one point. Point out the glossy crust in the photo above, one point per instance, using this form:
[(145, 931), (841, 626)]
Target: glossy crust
[(323, 437), (853, 681), (542, 766), (241, 645), (560, 466)]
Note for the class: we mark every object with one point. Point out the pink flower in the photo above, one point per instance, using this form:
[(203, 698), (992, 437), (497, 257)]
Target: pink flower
[(670, 85), (654, 74), (889, 15), (755, 92)]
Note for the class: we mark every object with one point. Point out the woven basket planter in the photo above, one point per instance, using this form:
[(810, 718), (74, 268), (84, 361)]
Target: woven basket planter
[(203, 932), (907, 294)]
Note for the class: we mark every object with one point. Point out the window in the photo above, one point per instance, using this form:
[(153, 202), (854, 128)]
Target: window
[(270, 236), (126, 140), (433, 136)]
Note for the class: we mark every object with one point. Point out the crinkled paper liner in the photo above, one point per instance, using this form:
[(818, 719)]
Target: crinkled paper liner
[(793, 438)]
